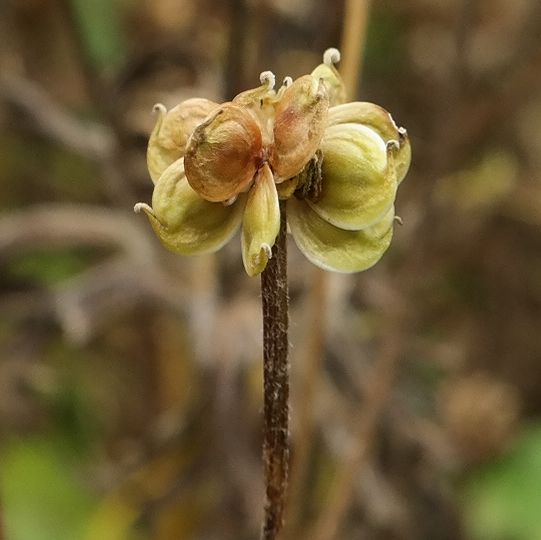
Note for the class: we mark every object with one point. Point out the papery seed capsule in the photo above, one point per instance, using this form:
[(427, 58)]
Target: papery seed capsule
[(170, 134), (331, 78), (300, 120), (223, 154), (358, 183), (403, 155), (260, 103), (183, 221), (260, 223), (381, 121), (369, 114), (249, 97), (332, 248)]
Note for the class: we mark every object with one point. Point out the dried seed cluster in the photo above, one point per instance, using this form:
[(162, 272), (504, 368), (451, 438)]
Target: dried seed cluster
[(220, 167)]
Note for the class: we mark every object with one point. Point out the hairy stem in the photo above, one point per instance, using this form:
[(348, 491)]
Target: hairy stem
[(274, 292)]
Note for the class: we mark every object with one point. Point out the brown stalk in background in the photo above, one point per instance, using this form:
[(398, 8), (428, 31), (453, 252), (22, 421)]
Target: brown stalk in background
[(356, 14), (381, 378)]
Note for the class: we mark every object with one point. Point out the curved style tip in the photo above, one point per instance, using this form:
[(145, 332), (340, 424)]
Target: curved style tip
[(331, 56), (268, 79), (287, 82), (393, 145), (159, 107), (399, 220), (267, 249), (141, 207)]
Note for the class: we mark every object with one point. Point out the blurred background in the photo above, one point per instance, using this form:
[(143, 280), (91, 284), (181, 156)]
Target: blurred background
[(130, 378)]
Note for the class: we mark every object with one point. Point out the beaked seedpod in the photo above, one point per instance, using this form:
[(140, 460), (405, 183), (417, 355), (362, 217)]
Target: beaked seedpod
[(335, 249), (381, 121), (334, 84), (170, 134), (223, 154), (260, 103), (299, 124), (261, 222), (183, 221), (358, 179)]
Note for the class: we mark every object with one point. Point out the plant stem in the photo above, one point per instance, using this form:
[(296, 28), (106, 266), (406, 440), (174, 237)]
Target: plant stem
[(275, 300)]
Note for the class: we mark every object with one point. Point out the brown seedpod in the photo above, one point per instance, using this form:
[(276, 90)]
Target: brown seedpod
[(172, 130), (223, 154), (300, 120)]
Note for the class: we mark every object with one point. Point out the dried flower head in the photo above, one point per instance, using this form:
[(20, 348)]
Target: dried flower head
[(338, 165)]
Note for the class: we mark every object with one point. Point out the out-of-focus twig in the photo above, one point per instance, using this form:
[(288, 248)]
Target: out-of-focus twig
[(84, 304), (234, 65), (240, 469), (51, 225), (105, 103), (379, 383), (98, 88), (305, 393), (91, 140), (203, 305), (378, 388), (353, 40), (79, 303)]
